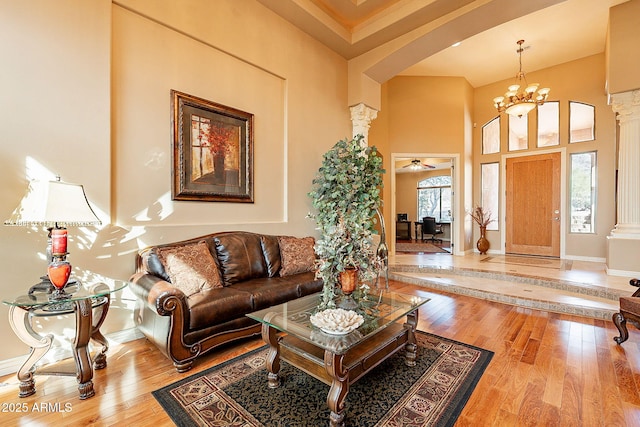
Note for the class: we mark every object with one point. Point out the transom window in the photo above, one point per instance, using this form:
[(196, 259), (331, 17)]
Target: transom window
[(434, 198)]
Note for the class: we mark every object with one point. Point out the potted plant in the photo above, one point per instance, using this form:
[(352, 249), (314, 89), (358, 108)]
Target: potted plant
[(346, 194), (482, 218)]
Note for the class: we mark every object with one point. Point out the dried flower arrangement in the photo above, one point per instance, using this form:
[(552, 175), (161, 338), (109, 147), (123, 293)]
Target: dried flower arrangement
[(480, 216)]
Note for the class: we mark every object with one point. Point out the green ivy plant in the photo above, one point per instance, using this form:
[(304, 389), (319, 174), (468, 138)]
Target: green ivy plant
[(346, 194)]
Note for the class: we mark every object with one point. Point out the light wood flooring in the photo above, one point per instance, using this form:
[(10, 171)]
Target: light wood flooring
[(548, 370)]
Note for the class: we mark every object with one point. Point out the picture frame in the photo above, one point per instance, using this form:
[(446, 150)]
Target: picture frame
[(212, 151)]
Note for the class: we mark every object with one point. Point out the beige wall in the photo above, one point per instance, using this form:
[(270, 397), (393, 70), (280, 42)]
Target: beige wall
[(623, 38), (427, 115), (87, 85), (583, 81), (55, 120)]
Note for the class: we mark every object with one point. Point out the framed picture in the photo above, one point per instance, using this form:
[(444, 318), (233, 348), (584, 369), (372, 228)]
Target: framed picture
[(212, 151)]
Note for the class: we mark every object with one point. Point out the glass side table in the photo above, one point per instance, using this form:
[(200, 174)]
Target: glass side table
[(88, 298)]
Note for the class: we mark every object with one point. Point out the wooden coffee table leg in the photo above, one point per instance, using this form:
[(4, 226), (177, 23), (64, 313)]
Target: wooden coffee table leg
[(339, 387), (273, 358), (411, 348)]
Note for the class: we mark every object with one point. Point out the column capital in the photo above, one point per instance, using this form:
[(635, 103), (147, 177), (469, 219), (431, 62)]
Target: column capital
[(363, 112), (361, 117), (626, 105)]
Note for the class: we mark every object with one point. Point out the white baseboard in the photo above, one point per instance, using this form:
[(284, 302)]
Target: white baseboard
[(11, 366), (622, 273), (584, 258)]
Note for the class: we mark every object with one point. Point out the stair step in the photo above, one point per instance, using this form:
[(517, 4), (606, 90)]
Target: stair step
[(543, 294)]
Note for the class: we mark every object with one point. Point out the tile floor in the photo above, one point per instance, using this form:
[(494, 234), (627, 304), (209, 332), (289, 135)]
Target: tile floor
[(566, 286)]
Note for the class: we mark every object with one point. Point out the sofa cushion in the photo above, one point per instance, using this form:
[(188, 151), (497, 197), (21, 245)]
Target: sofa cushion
[(217, 306), (296, 254), (307, 283), (240, 256), (269, 291), (271, 251), (191, 268)]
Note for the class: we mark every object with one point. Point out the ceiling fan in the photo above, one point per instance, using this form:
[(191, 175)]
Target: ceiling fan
[(416, 164)]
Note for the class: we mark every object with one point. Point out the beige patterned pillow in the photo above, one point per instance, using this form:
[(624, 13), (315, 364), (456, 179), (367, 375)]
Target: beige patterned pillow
[(296, 255), (191, 268)]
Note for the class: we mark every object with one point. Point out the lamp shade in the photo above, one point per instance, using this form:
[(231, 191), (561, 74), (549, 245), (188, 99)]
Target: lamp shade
[(52, 204)]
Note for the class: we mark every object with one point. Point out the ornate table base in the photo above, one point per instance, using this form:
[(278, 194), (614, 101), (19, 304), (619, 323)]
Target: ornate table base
[(339, 370), (87, 328)]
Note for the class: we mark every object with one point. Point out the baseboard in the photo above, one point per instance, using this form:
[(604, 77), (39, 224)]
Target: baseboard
[(11, 366), (622, 273), (585, 258)]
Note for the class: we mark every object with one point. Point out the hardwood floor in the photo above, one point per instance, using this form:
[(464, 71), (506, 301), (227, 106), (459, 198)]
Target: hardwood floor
[(548, 370)]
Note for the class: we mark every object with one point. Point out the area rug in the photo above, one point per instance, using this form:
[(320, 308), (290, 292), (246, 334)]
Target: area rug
[(235, 393), (419, 247)]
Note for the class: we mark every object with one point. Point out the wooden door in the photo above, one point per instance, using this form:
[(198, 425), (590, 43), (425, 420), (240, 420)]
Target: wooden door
[(533, 205)]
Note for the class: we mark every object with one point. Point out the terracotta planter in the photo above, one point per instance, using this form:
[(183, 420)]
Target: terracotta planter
[(348, 280), (483, 244)]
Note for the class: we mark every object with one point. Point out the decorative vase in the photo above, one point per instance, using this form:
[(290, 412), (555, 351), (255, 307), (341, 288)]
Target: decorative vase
[(348, 280), (59, 272), (483, 244), (218, 167)]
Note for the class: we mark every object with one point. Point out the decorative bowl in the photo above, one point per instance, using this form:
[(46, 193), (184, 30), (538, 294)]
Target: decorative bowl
[(337, 321)]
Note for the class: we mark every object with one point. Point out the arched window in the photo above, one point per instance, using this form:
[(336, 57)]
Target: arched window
[(434, 198)]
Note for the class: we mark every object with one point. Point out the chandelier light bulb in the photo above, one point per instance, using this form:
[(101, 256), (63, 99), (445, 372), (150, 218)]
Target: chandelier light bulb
[(531, 88)]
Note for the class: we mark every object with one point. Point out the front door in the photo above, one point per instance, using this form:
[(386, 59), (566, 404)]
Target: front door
[(533, 205)]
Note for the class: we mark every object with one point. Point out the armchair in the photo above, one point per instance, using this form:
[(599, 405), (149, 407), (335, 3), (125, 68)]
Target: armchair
[(629, 310), (429, 226)]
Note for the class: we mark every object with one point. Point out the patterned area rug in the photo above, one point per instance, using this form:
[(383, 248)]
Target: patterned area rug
[(235, 393), (419, 247)]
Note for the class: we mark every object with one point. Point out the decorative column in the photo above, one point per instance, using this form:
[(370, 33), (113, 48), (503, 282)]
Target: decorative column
[(361, 117), (627, 106), (624, 241)]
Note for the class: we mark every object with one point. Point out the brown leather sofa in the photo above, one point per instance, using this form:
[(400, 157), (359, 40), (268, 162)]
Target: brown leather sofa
[(245, 272)]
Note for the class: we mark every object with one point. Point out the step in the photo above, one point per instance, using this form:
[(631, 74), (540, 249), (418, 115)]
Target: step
[(524, 291)]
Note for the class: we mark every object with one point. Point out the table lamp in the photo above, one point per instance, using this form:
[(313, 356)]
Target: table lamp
[(56, 205)]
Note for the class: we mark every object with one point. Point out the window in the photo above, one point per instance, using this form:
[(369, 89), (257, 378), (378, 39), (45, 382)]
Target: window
[(549, 124), (434, 198), (583, 192), (490, 182), (518, 133), (581, 122), (491, 137)]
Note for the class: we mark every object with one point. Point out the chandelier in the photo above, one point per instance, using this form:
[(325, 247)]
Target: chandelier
[(517, 101)]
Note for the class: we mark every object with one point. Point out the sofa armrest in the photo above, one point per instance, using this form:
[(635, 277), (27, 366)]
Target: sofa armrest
[(636, 283), (160, 295)]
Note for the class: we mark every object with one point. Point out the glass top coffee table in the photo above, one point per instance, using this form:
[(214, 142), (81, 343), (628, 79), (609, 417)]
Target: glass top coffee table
[(339, 360)]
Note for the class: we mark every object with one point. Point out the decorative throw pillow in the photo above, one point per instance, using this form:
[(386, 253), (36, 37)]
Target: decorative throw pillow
[(296, 254), (191, 268)]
